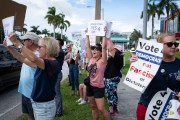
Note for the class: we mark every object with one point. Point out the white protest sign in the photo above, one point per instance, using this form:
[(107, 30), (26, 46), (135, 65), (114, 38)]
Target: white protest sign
[(144, 69), (76, 37), (8, 24), (108, 32), (92, 40), (96, 28), (159, 106)]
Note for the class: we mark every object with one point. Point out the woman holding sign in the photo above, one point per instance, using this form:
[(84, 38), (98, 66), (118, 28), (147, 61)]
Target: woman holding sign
[(166, 77), (45, 77), (96, 68), (112, 75)]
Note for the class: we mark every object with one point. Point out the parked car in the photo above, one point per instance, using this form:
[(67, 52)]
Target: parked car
[(9, 69)]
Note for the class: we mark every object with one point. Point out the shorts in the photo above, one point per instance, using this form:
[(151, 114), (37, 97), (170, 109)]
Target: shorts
[(27, 106), (95, 91)]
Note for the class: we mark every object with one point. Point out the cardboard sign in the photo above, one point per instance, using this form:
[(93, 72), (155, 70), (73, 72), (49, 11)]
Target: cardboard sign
[(144, 69), (96, 28), (158, 108), (76, 36), (8, 24), (92, 40), (108, 32)]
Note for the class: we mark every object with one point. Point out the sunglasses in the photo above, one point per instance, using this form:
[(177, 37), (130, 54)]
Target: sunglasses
[(170, 44)]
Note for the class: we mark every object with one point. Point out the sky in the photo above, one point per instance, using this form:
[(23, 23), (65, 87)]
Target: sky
[(124, 14)]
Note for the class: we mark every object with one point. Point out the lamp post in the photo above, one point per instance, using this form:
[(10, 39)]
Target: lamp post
[(98, 15), (145, 19)]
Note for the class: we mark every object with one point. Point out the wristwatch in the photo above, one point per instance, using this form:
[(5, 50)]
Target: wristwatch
[(20, 47)]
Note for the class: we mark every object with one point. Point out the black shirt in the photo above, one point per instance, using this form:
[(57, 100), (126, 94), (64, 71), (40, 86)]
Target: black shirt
[(114, 66), (60, 58)]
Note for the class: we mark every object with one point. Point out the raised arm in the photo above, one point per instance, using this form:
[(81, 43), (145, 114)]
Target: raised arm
[(27, 53), (104, 52), (18, 55), (88, 47), (110, 47)]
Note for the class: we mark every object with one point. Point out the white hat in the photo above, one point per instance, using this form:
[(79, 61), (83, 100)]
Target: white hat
[(132, 50), (31, 36), (118, 47)]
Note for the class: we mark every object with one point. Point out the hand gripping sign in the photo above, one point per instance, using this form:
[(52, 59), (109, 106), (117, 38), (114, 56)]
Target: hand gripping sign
[(158, 108), (142, 71), (8, 24)]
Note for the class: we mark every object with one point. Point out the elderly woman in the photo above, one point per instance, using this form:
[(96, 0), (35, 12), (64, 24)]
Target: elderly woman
[(96, 68), (45, 78)]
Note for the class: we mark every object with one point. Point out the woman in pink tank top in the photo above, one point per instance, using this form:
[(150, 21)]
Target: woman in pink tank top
[(96, 68)]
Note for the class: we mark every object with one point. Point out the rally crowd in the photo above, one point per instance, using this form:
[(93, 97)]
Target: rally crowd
[(41, 75)]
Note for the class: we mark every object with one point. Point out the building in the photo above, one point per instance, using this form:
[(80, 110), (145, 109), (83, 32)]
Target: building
[(171, 24), (11, 8)]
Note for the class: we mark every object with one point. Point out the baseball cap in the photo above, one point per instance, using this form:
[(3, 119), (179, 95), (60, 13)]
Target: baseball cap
[(97, 46), (118, 47), (30, 35)]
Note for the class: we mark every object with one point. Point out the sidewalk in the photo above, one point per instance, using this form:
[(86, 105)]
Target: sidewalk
[(127, 103)]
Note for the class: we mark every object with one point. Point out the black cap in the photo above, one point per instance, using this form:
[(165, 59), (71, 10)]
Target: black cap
[(97, 46)]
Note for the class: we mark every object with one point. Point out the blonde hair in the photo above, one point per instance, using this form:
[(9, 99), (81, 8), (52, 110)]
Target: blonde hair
[(52, 46), (160, 37)]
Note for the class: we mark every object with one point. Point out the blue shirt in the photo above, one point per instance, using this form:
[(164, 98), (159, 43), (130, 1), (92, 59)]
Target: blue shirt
[(158, 83), (44, 81), (27, 79)]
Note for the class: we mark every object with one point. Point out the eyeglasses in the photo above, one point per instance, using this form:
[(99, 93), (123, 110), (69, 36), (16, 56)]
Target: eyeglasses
[(25, 40), (39, 46), (170, 44)]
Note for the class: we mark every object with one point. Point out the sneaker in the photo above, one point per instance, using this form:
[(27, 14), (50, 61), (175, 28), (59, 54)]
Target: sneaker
[(82, 102), (111, 111), (79, 100), (115, 112)]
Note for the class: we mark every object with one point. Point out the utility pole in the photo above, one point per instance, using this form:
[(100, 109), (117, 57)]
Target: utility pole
[(145, 19), (98, 15)]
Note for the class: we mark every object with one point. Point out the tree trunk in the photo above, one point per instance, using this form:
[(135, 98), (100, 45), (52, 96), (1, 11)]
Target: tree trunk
[(54, 31), (61, 33)]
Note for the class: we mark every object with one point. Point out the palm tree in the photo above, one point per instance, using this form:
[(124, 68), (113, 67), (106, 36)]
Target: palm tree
[(46, 32), (152, 10), (63, 24), (35, 30), (135, 35), (170, 7), (53, 18)]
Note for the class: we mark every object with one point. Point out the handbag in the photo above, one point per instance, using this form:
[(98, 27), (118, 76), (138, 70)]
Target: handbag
[(87, 81)]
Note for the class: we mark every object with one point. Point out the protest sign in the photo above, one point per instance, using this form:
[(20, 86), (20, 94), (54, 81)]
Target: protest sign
[(108, 32), (96, 28), (92, 40), (158, 108), (144, 69), (76, 37), (8, 24)]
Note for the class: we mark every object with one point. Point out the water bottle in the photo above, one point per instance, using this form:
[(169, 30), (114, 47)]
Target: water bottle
[(174, 110)]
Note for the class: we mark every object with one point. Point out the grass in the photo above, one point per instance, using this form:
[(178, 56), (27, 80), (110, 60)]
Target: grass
[(71, 109)]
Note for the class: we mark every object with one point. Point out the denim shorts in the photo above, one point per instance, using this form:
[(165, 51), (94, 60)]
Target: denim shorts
[(44, 110), (27, 106)]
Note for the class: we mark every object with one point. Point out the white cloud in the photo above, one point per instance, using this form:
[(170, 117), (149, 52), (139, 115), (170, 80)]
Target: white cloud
[(82, 2)]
